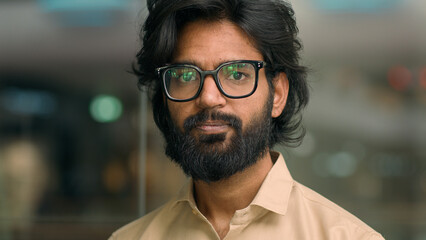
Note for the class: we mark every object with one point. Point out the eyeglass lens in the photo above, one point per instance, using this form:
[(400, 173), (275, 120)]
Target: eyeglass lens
[(235, 79)]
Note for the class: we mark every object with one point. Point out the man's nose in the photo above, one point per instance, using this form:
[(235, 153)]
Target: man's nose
[(210, 95)]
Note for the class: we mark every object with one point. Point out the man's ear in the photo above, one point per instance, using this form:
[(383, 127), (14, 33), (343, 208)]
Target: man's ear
[(281, 87)]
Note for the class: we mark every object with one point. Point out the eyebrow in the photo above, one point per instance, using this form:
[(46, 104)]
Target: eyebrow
[(194, 63), (185, 62)]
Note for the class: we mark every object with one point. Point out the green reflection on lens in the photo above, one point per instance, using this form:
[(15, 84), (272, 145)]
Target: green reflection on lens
[(234, 71), (187, 76)]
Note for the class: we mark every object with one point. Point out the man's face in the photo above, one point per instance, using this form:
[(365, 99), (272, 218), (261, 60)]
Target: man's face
[(213, 132)]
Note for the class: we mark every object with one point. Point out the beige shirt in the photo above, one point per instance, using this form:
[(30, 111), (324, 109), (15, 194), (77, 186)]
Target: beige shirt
[(282, 209)]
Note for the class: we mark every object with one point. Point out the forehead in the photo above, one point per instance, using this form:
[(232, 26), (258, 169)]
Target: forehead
[(207, 44)]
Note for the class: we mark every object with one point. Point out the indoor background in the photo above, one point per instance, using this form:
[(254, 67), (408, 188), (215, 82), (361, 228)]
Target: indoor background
[(80, 155)]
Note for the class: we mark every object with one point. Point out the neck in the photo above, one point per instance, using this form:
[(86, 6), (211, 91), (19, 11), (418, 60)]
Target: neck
[(219, 200)]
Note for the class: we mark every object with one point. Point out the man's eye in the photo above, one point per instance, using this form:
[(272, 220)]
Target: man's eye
[(234, 75), (236, 72), (184, 75), (187, 76)]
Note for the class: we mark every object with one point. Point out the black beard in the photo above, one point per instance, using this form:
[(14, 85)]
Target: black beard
[(211, 158)]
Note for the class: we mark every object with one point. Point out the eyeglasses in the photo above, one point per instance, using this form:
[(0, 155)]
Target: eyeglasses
[(235, 79)]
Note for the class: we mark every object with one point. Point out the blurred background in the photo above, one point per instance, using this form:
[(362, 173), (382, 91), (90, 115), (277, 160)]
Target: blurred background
[(80, 155)]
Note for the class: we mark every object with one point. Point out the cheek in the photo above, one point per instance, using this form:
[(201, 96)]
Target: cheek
[(178, 113), (173, 110)]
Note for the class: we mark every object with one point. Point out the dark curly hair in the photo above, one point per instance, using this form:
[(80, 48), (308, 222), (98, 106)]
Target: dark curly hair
[(270, 24)]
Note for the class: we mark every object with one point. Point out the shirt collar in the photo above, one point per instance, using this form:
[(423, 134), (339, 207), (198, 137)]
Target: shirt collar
[(186, 194), (273, 194)]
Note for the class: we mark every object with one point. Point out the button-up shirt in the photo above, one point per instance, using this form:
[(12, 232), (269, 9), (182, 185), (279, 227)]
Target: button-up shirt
[(282, 209)]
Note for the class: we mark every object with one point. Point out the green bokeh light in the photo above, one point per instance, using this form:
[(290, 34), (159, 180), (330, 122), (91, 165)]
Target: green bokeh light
[(105, 108)]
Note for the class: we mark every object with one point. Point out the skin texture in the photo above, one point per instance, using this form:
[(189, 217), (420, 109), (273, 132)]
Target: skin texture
[(206, 45)]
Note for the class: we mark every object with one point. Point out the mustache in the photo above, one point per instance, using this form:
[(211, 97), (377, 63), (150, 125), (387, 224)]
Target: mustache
[(205, 115)]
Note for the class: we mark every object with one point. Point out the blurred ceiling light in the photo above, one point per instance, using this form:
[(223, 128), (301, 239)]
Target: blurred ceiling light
[(27, 102), (356, 5), (399, 77), (73, 5), (85, 13), (342, 164), (105, 108)]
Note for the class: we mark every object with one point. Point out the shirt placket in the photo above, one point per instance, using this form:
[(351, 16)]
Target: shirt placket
[(198, 214), (239, 221)]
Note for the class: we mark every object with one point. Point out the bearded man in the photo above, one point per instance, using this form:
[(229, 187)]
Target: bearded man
[(226, 86)]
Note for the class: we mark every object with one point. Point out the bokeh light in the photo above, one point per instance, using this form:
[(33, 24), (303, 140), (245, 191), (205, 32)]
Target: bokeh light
[(342, 164), (105, 108), (356, 5), (399, 77)]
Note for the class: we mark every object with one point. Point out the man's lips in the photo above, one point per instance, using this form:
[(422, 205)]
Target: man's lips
[(212, 126)]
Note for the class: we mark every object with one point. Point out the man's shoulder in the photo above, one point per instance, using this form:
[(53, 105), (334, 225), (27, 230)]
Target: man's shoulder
[(332, 214), (135, 229)]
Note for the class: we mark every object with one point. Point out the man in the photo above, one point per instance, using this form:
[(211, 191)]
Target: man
[(226, 87)]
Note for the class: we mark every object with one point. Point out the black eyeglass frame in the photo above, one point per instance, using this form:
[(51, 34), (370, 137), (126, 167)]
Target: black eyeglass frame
[(161, 71)]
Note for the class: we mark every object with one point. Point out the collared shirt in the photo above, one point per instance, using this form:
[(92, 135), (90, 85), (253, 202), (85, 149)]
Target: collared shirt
[(282, 209)]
